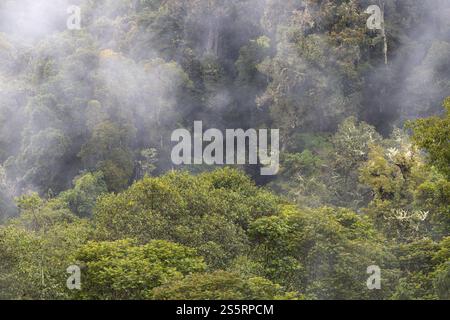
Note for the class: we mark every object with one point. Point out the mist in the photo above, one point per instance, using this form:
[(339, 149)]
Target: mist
[(89, 180), (201, 63)]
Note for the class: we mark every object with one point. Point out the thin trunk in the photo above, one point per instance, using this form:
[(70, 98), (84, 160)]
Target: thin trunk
[(383, 34)]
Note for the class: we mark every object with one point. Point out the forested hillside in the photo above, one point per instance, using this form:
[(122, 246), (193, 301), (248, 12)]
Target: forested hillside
[(88, 181)]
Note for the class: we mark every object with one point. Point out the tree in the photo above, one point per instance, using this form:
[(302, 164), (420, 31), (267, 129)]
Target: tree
[(125, 270), (424, 266), (432, 135), (210, 212), (322, 253), (308, 88), (220, 285), (37, 248), (108, 151), (82, 198)]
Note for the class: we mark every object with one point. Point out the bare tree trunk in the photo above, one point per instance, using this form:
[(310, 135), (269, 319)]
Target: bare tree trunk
[(212, 44), (383, 33)]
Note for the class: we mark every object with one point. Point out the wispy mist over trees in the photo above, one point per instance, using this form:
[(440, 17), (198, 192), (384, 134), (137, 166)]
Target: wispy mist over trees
[(86, 118)]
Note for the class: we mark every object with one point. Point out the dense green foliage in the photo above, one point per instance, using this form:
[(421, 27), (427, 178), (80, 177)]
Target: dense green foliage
[(217, 236), (86, 179)]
